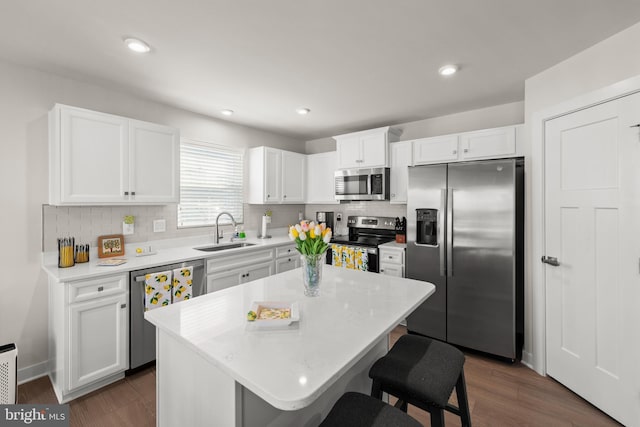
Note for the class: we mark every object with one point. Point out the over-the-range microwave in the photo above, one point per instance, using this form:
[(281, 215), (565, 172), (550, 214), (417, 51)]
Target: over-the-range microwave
[(362, 184)]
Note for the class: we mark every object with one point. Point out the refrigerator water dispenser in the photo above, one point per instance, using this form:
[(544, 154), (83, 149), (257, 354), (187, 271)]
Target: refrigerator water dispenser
[(427, 226)]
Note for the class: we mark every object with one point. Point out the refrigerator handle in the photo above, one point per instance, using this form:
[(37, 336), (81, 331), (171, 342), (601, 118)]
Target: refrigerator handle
[(440, 230), (449, 243)]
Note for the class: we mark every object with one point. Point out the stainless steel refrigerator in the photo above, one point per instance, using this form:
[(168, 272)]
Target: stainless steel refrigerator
[(465, 234)]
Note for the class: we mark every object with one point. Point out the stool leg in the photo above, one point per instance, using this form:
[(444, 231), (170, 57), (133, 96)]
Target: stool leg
[(437, 416), (376, 390), (463, 403)]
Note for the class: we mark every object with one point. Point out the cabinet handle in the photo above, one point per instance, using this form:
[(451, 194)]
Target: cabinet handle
[(382, 270), (123, 305), (289, 260), (268, 195), (454, 152), (466, 150), (247, 274), (393, 196), (284, 197), (100, 288), (359, 161), (133, 193), (126, 193)]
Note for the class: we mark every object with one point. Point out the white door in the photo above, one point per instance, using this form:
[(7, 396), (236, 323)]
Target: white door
[(258, 271), (400, 160), (154, 163), (374, 150), (488, 144), (272, 174), (93, 157), (437, 149), (592, 194), (98, 341), (320, 178), (349, 152), (292, 177), (225, 279)]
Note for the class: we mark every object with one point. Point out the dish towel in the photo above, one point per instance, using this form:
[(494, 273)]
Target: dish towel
[(182, 280), (348, 257), (157, 290), (336, 254), (361, 259)]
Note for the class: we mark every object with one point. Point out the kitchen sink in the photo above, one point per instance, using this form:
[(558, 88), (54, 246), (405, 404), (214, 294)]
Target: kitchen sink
[(224, 246)]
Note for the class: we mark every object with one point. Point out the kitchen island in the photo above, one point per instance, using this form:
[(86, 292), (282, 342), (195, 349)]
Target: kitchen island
[(216, 368)]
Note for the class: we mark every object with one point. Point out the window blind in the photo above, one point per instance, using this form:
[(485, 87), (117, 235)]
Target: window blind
[(210, 183)]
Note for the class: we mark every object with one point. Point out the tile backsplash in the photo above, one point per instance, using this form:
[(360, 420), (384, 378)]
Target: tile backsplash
[(86, 223)]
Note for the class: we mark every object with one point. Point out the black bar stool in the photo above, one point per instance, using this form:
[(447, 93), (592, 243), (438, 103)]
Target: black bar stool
[(360, 410), (423, 372)]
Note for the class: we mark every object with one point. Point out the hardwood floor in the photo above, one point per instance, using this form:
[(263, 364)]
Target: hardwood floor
[(500, 394)]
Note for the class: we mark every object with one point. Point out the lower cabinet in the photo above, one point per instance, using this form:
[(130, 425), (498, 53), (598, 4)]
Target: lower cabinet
[(88, 334), (287, 258), (392, 260), (224, 272)]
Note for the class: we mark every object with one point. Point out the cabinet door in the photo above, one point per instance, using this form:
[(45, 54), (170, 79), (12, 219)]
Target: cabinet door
[(349, 152), (438, 149), (286, 264), (374, 150), (272, 175), (392, 270), (224, 279), (154, 163), (491, 143), (93, 157), (320, 178), (258, 271), (98, 341), (400, 160), (293, 177)]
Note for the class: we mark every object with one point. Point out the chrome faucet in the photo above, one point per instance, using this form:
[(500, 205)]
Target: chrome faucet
[(217, 238)]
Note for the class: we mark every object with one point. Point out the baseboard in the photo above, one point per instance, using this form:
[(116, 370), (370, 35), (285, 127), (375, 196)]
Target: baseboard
[(32, 372), (527, 359)]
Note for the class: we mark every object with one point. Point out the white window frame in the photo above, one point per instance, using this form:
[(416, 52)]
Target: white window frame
[(233, 184)]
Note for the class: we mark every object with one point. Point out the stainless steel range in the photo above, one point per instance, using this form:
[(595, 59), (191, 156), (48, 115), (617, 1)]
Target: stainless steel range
[(366, 233)]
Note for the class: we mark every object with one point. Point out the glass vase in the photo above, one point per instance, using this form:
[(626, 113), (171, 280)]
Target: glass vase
[(312, 273)]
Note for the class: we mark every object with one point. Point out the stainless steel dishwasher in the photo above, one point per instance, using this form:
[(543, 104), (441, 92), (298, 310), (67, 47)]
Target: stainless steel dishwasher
[(142, 334)]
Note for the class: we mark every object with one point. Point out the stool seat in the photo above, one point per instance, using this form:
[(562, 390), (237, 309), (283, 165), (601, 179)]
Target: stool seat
[(424, 369), (360, 410), (423, 372)]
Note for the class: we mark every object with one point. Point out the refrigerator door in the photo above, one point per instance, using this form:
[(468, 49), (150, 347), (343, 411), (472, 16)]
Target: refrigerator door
[(481, 264), (427, 191)]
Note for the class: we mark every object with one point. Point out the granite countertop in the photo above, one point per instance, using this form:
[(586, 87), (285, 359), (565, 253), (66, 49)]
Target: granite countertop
[(167, 252), (290, 367)]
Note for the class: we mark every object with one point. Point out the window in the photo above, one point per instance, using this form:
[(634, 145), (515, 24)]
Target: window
[(210, 182)]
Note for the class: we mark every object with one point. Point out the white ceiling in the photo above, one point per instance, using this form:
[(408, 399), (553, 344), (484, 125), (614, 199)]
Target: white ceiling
[(356, 64)]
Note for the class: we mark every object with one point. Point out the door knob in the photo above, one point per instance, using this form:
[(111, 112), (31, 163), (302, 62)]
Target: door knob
[(550, 260)]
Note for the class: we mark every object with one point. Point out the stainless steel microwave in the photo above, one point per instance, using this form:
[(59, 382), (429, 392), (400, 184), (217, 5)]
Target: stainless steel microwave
[(362, 184)]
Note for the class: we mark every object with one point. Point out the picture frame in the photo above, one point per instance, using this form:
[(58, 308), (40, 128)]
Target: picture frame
[(110, 246)]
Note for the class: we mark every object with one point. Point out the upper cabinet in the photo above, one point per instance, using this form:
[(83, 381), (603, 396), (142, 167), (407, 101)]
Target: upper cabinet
[(365, 149), (400, 159), (102, 159), (276, 176), (320, 178), (483, 144)]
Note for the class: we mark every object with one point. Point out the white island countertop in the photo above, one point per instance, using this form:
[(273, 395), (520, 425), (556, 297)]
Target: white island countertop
[(289, 368)]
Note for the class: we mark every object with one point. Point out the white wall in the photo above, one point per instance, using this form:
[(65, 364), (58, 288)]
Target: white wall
[(604, 64), (26, 97), (483, 118)]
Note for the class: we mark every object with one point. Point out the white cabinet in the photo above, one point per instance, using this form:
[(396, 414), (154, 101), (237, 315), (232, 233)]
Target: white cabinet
[(276, 176), (88, 334), (488, 144), (287, 258), (231, 270), (483, 144), (102, 159), (320, 178), (392, 259), (439, 149), (365, 149), (401, 156)]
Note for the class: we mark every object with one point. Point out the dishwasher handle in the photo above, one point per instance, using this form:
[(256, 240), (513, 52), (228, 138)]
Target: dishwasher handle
[(142, 277)]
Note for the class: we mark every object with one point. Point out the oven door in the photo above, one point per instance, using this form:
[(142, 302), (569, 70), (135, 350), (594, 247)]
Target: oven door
[(353, 257)]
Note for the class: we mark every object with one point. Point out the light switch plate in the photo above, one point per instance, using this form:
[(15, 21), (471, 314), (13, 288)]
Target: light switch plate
[(127, 229), (159, 225)]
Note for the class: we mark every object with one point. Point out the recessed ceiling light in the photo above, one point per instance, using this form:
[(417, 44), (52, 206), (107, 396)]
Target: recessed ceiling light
[(448, 70), (303, 111), (226, 112), (137, 45)]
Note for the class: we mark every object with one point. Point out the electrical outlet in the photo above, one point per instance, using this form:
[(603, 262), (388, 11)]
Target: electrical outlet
[(338, 217), (159, 225)]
